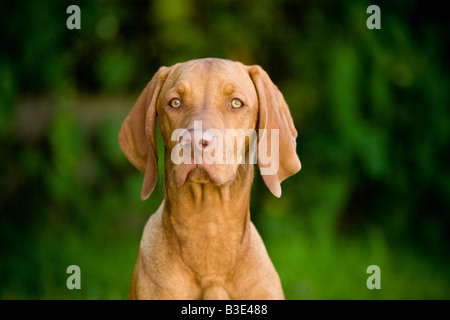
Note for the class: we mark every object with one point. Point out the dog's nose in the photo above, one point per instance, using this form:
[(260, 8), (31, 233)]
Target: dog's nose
[(206, 139), (199, 139)]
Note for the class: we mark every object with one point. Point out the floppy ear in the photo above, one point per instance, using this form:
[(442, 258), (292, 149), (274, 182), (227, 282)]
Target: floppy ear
[(273, 114), (137, 133)]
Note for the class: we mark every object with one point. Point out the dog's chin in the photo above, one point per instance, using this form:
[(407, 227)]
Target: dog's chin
[(201, 173), (198, 175)]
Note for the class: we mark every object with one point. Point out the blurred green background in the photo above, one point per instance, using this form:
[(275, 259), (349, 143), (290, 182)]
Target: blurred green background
[(371, 107)]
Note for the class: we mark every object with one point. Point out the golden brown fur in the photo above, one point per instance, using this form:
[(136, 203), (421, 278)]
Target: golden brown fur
[(201, 244)]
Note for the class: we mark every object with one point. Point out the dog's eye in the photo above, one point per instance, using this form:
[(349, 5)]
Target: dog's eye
[(236, 103), (175, 103)]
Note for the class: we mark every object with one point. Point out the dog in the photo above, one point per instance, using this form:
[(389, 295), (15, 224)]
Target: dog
[(201, 243)]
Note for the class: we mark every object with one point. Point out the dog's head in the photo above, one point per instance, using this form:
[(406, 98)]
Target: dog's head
[(214, 115)]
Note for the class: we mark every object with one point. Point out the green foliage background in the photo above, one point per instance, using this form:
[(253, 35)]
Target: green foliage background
[(371, 108)]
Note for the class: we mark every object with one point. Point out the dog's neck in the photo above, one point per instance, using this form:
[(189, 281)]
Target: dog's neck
[(215, 219)]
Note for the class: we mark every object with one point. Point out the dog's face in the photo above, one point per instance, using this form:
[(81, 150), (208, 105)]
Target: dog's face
[(209, 105), (212, 114)]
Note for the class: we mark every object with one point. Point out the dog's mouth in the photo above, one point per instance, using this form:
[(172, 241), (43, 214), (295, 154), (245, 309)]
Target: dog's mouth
[(198, 175), (201, 173)]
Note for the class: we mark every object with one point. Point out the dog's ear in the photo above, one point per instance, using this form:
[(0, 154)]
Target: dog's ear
[(273, 114), (137, 133)]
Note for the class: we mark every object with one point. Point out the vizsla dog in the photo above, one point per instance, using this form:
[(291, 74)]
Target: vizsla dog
[(200, 243)]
